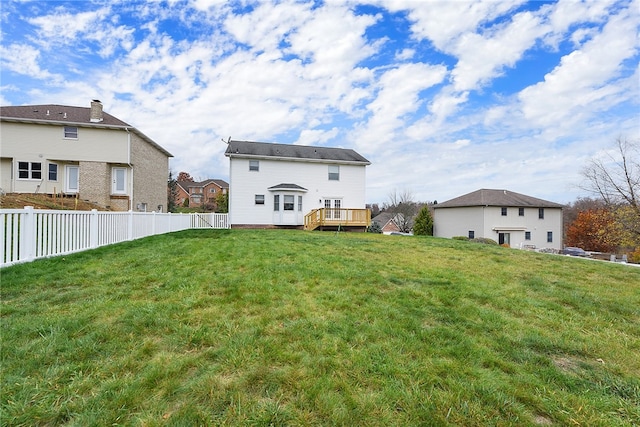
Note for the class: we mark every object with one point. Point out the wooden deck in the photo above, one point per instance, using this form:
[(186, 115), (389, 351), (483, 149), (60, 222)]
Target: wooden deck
[(337, 218)]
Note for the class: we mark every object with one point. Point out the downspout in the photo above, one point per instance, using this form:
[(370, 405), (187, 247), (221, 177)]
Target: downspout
[(130, 168)]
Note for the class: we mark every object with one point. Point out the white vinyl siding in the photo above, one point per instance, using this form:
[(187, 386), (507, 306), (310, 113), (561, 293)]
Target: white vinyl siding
[(310, 175)]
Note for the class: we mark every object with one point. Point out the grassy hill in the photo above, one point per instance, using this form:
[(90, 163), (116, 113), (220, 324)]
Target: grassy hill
[(247, 327)]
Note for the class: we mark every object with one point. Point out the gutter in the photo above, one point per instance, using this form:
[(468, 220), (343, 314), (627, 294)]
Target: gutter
[(130, 168)]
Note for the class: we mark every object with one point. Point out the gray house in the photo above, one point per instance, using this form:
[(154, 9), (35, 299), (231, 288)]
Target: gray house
[(505, 216)]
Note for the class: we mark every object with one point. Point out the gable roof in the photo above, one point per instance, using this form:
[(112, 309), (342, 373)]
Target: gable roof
[(189, 184), (264, 150), (485, 197), (69, 116)]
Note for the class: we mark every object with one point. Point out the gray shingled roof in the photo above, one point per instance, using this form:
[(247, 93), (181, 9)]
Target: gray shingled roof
[(250, 149), (59, 114), (285, 186), (68, 115), (504, 198)]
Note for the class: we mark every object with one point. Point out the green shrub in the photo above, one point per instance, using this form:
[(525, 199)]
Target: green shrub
[(484, 240), (423, 225), (374, 228)]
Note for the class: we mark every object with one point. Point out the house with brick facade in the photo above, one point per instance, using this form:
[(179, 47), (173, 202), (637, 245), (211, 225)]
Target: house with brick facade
[(82, 152), (199, 193)]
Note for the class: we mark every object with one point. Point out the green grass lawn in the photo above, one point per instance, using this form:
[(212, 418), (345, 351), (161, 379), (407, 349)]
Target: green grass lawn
[(272, 327)]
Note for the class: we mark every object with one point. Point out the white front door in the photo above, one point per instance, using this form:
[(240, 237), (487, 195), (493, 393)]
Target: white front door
[(72, 179)]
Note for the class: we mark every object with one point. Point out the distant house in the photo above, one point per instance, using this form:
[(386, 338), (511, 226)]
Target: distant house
[(386, 223), (504, 216), (281, 185), (199, 193), (83, 152)]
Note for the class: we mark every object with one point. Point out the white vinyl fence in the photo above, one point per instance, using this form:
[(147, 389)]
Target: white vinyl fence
[(28, 234)]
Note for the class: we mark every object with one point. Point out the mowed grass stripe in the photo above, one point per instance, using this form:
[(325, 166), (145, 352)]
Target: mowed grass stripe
[(274, 327)]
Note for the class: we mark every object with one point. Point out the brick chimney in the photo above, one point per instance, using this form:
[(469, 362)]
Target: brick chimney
[(96, 111)]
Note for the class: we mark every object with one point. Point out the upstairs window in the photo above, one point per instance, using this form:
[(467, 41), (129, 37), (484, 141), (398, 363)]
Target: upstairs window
[(334, 173), (503, 211), (254, 165), (70, 132), (541, 213), (520, 211), (29, 170)]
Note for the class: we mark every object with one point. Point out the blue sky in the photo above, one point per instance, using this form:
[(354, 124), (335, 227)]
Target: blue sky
[(443, 97)]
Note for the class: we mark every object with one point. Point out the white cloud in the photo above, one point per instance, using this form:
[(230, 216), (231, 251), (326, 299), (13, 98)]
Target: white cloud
[(63, 28), (24, 59), (397, 97), (585, 80), (405, 54), (482, 57)]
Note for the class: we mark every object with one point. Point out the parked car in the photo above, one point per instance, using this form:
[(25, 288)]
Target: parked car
[(573, 251)]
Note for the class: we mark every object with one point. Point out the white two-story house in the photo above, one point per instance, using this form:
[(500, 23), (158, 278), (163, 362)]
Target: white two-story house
[(507, 217), (81, 152), (282, 185)]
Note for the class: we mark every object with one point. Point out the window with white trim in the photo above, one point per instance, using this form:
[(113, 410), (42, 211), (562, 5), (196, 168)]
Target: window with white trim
[(334, 173), (259, 199), (254, 165), (527, 235), (29, 170), (276, 202), (549, 236), (70, 132), (53, 172), (289, 201)]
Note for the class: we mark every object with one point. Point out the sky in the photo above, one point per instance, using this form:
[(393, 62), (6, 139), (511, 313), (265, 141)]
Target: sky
[(443, 97)]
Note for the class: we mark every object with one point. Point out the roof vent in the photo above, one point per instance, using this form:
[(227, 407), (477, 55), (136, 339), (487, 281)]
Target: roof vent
[(96, 111), (65, 116)]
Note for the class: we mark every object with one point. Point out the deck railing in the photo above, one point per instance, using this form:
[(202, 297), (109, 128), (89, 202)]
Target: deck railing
[(330, 217), (28, 234)]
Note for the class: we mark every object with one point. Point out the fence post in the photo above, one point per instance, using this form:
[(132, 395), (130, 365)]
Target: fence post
[(93, 229), (28, 235), (130, 226), (153, 223)]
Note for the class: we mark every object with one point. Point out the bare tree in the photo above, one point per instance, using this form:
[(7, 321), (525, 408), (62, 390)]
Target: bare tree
[(403, 209), (615, 178)]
